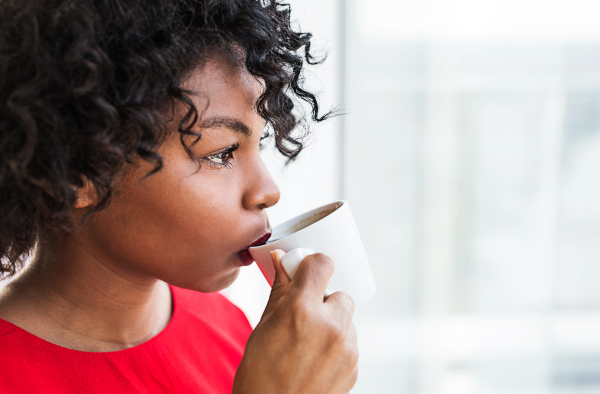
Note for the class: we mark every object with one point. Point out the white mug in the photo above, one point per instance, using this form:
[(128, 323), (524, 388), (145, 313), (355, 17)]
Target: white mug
[(330, 230)]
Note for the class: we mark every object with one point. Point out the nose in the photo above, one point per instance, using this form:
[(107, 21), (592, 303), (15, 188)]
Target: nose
[(261, 191)]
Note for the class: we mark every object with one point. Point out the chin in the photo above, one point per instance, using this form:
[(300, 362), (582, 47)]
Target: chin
[(228, 280), (217, 283)]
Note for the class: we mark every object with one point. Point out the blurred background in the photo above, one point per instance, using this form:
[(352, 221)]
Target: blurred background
[(470, 155)]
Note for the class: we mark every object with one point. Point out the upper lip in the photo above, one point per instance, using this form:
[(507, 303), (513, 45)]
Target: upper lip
[(260, 240)]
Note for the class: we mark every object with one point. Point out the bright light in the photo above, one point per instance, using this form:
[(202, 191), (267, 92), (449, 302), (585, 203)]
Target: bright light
[(479, 19)]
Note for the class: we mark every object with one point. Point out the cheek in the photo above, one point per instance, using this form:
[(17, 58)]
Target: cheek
[(184, 230)]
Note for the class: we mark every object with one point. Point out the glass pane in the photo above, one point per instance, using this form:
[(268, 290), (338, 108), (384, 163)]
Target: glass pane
[(472, 163)]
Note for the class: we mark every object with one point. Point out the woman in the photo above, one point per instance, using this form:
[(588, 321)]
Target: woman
[(130, 174)]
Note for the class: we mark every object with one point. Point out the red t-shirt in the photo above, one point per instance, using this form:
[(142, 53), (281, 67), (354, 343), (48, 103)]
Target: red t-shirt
[(198, 352)]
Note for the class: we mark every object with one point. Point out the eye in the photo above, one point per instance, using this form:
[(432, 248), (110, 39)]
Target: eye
[(220, 158), (223, 158)]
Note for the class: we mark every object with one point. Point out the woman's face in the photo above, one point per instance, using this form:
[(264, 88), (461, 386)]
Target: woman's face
[(187, 227)]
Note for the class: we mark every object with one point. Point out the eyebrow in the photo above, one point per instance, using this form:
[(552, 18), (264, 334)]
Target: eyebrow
[(225, 121)]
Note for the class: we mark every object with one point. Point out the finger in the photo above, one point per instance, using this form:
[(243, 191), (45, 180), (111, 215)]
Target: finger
[(313, 275), (350, 380), (352, 359), (281, 277), (352, 335), (351, 340), (280, 283), (341, 306)]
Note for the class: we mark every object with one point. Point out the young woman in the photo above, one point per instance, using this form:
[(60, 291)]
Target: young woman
[(131, 178)]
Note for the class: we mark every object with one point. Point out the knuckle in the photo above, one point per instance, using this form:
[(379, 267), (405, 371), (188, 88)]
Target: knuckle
[(353, 334), (337, 333), (354, 376), (300, 314), (346, 302), (325, 262), (350, 380), (299, 307), (352, 355), (351, 373)]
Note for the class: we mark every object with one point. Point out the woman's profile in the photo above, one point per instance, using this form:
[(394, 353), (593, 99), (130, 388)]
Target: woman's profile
[(131, 187)]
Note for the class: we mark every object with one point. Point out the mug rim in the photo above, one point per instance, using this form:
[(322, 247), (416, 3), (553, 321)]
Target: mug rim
[(298, 218)]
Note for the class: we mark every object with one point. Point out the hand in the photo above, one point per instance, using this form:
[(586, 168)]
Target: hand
[(303, 343)]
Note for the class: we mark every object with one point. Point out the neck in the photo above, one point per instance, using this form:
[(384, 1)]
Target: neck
[(75, 298)]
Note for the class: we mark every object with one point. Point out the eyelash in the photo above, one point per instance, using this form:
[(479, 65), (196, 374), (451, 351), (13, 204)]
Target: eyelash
[(225, 156)]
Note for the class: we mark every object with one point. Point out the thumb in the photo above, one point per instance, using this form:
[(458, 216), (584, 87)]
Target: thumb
[(280, 283)]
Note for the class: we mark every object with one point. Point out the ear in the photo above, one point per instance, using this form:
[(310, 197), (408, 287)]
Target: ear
[(86, 195)]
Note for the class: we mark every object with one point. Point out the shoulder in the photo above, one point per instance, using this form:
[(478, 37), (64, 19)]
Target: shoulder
[(15, 318), (18, 356), (8, 332)]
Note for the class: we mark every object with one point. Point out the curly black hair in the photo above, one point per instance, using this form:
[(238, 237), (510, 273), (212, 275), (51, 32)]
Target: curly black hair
[(84, 85)]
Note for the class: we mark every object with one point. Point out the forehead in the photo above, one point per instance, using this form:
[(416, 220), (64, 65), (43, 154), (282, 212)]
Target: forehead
[(223, 89)]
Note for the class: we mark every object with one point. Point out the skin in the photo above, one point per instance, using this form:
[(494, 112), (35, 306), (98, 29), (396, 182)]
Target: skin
[(105, 288), (303, 342)]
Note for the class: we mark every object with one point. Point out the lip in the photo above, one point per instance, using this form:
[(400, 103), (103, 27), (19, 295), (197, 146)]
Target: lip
[(260, 240), (245, 255)]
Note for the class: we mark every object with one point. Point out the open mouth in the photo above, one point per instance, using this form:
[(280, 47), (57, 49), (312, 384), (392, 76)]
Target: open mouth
[(244, 254)]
